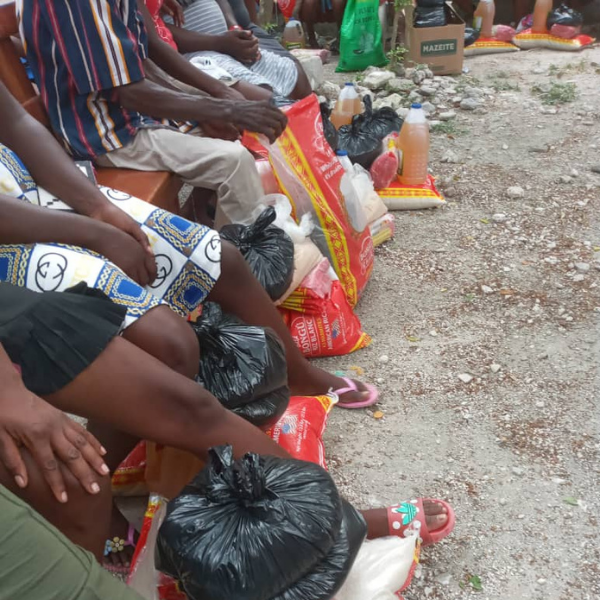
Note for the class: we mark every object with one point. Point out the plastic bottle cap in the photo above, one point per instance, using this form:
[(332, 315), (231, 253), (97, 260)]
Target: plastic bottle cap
[(416, 105), (350, 84), (341, 153)]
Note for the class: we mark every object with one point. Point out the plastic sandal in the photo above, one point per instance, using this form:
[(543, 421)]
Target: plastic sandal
[(352, 387), (408, 518), (116, 545)]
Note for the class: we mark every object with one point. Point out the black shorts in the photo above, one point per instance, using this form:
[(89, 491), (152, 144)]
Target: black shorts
[(55, 336)]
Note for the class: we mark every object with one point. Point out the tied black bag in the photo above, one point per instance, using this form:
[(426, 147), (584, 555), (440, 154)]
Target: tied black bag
[(362, 146), (268, 250), (243, 366), (564, 15), (259, 528), (329, 130), (380, 122)]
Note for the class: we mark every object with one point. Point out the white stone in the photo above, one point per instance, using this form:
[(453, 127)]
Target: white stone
[(450, 157), (384, 358), (426, 90), (499, 218), (428, 108), (443, 578), (377, 80), (447, 116), (579, 277), (402, 112), (330, 90), (313, 67), (400, 85), (495, 367), (419, 77), (515, 192), (393, 101), (486, 289), (465, 377), (470, 104), (565, 179), (582, 267)]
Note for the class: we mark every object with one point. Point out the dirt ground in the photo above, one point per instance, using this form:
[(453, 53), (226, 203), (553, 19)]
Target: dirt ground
[(515, 450)]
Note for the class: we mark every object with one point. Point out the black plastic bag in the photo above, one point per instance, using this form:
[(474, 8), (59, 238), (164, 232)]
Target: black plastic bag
[(361, 145), (331, 134), (434, 16), (430, 3), (268, 250), (259, 528), (471, 36), (564, 15), (267, 410), (380, 122), (243, 366)]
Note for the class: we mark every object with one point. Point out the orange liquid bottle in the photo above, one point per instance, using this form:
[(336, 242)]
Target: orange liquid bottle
[(413, 143), (540, 16), (347, 105), (483, 19)]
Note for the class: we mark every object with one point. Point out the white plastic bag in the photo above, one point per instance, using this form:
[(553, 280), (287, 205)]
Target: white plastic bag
[(381, 569)]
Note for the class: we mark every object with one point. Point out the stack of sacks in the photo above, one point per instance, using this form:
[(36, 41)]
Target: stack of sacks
[(258, 528), (500, 42)]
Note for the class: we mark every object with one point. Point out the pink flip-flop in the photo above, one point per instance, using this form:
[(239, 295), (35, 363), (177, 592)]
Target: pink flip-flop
[(352, 387), (408, 518)]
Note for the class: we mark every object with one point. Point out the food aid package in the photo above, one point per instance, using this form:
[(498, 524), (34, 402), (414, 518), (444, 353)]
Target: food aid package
[(564, 15), (310, 174), (268, 250), (361, 43), (243, 366), (362, 145), (259, 527), (323, 53), (403, 197), (306, 254), (383, 229), (385, 167), (380, 122), (383, 568), (319, 317), (300, 430), (489, 45), (129, 479), (527, 40)]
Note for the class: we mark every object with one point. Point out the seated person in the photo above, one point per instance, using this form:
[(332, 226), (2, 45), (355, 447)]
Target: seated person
[(104, 108), (213, 40), (61, 470)]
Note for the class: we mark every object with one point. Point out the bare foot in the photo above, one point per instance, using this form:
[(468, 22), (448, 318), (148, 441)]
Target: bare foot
[(315, 382), (120, 554)]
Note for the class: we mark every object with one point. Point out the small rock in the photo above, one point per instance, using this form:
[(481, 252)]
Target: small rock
[(495, 367), (450, 192), (393, 101), (419, 76), (465, 377), (515, 192), (400, 86), (330, 90), (579, 277), (518, 471), (433, 333), (540, 404), (565, 179), (521, 516), (447, 116), (582, 267), (384, 358), (444, 578), (414, 97), (470, 104), (574, 173), (538, 71), (504, 146), (429, 74), (595, 168), (499, 218), (402, 112), (450, 157), (541, 581), (503, 501), (543, 356), (427, 90), (313, 67), (428, 108), (377, 80), (486, 289)]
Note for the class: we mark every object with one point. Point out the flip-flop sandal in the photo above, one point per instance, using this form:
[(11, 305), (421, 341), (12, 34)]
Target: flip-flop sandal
[(408, 518), (352, 387), (115, 545)]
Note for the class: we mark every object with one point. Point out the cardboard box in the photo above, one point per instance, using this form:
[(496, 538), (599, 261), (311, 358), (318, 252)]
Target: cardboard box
[(440, 48)]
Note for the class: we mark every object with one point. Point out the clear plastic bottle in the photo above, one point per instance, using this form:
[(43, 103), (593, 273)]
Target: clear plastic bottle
[(348, 104), (413, 143), (293, 35), (540, 16), (483, 19)]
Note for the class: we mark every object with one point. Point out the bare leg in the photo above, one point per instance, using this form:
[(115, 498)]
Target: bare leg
[(303, 87), (239, 293)]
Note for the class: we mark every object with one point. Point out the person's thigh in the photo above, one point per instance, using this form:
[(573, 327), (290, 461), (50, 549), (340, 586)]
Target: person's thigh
[(37, 562)]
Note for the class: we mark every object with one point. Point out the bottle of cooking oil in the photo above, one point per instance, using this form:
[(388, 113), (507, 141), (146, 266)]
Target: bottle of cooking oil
[(413, 143), (347, 105)]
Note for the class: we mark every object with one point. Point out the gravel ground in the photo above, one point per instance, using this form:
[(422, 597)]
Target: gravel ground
[(505, 290)]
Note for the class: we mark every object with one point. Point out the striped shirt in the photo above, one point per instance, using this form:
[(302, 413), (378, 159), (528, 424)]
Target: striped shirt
[(80, 51)]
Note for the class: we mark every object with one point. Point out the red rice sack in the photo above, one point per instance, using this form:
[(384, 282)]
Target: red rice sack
[(402, 197), (527, 40)]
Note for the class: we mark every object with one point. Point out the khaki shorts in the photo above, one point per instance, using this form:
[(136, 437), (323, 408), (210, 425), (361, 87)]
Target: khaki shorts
[(37, 562)]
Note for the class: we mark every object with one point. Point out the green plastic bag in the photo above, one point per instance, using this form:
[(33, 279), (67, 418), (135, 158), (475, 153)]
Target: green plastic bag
[(361, 45)]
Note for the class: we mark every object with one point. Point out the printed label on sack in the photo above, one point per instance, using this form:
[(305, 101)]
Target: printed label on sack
[(439, 48)]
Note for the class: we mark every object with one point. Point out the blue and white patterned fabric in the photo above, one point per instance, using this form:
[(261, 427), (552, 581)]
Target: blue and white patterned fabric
[(188, 255)]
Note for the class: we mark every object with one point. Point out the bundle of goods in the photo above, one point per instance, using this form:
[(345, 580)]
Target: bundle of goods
[(268, 250), (322, 53), (259, 527), (320, 318), (310, 174), (558, 29), (490, 40), (412, 188), (300, 430), (361, 43), (430, 13), (243, 366)]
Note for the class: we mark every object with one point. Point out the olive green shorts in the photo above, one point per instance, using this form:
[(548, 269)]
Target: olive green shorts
[(37, 562)]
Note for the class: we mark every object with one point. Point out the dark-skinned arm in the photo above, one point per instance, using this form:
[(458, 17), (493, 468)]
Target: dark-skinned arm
[(170, 61), (24, 223)]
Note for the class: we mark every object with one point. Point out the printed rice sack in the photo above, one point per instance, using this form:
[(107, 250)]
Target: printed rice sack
[(403, 197), (489, 46), (130, 477), (383, 229), (310, 175), (527, 40)]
